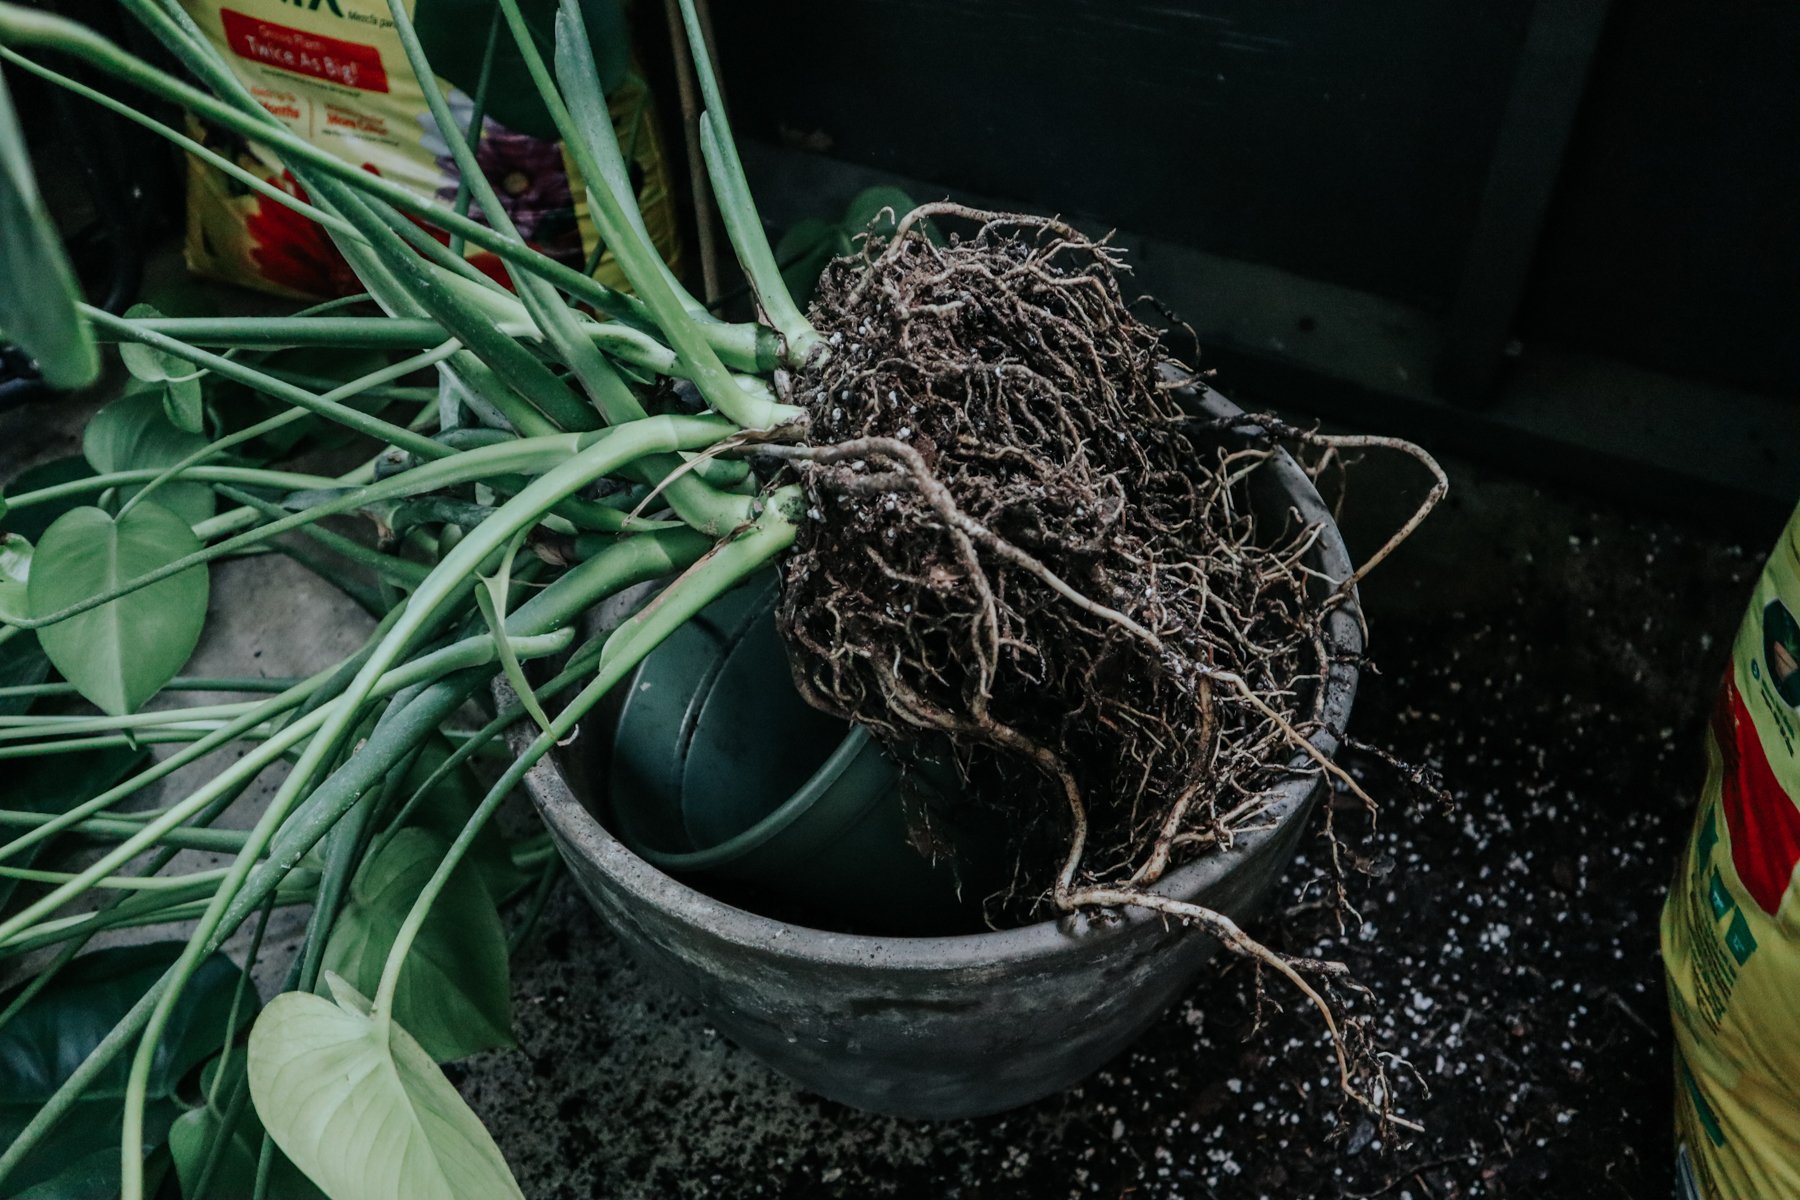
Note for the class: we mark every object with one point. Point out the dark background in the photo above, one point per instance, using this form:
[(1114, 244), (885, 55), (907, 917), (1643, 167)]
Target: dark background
[(1556, 235)]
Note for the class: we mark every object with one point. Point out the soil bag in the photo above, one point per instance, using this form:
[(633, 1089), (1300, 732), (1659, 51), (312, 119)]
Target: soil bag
[(1731, 927), (336, 74)]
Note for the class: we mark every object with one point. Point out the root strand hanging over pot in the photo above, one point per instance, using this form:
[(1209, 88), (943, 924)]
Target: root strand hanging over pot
[(1021, 544)]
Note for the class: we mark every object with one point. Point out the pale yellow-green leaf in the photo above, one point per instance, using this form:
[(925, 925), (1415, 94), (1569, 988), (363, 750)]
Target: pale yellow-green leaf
[(363, 1110)]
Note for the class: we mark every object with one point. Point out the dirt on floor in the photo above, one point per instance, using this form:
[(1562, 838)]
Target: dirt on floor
[(1554, 660)]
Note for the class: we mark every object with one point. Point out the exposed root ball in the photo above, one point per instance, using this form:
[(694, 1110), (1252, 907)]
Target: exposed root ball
[(1022, 543)]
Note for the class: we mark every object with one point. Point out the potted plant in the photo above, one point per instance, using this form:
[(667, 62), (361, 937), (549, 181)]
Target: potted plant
[(1126, 624)]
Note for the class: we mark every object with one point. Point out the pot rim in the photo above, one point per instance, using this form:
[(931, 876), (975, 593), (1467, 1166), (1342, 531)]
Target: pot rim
[(581, 832)]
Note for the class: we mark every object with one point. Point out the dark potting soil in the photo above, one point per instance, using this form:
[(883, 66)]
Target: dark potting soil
[(1555, 663)]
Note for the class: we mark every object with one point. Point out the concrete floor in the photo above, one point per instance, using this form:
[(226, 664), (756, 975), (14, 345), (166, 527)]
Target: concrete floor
[(1528, 638)]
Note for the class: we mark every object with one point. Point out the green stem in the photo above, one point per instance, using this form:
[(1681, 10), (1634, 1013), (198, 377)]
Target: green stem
[(13, 729), (305, 697), (192, 732), (742, 223), (233, 1112), (597, 377), (129, 883), (271, 708), (287, 481), (217, 161), (521, 455), (602, 454), (228, 841), (355, 387), (181, 683), (386, 431), (477, 110), (729, 564), (401, 571), (747, 347), (636, 258), (633, 561), (54, 932)]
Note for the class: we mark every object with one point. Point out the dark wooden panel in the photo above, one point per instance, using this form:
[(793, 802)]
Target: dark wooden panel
[(1346, 140), (1522, 175), (1675, 241)]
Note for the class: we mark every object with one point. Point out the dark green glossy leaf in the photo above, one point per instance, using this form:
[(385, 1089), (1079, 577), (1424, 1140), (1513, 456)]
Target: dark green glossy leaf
[(38, 291), (30, 523), (448, 808), (135, 432), (22, 664), (119, 654), (51, 1035), (455, 991), (81, 1160), (42, 1045), (55, 783)]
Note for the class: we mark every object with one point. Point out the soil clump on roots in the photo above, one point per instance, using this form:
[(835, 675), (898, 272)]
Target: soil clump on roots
[(1026, 547), (1022, 547)]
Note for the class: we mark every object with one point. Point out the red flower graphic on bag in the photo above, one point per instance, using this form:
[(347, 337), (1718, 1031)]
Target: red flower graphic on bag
[(1763, 819)]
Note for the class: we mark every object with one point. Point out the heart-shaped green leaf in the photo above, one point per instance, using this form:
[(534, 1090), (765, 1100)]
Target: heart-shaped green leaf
[(455, 991), (59, 1027), (15, 570), (184, 405), (177, 379), (134, 432), (119, 654), (362, 1109), (190, 1143), (38, 292)]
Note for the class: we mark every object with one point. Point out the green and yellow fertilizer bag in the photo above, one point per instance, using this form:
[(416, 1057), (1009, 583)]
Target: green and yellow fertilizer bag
[(1731, 927), (335, 72)]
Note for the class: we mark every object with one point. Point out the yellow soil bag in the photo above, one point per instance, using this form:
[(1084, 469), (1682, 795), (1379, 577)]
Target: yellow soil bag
[(336, 74), (1731, 927)]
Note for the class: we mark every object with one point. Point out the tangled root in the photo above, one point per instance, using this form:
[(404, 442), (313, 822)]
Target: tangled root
[(1025, 549)]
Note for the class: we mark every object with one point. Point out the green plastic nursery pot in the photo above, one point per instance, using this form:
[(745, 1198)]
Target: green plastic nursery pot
[(967, 1024), (720, 771)]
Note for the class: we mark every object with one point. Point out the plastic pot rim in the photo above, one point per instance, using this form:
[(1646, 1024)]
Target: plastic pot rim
[(760, 834)]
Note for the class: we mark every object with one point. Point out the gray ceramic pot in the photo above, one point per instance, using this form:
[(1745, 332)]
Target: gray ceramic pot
[(961, 1026)]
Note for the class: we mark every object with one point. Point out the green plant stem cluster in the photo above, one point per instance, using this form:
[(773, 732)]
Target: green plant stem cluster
[(553, 426)]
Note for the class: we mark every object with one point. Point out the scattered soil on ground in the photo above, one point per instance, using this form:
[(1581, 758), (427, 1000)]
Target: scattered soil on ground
[(1555, 662)]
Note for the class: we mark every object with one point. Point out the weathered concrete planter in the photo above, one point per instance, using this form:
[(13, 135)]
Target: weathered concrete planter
[(947, 1026)]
